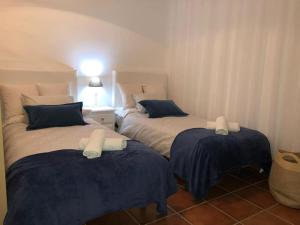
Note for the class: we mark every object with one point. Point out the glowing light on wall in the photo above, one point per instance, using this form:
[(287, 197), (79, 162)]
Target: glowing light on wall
[(92, 67)]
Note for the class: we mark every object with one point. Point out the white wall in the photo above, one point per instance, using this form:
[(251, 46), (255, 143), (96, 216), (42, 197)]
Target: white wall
[(58, 35), (125, 34), (239, 58)]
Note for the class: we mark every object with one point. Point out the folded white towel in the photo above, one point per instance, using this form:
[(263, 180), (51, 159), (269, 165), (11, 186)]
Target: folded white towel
[(232, 126), (110, 144), (221, 126), (95, 144), (211, 125)]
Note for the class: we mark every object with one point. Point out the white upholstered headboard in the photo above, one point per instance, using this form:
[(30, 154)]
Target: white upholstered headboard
[(29, 77), (40, 76), (135, 78)]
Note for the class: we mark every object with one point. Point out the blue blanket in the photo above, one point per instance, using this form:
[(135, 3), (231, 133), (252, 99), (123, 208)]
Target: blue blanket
[(65, 188), (201, 157)]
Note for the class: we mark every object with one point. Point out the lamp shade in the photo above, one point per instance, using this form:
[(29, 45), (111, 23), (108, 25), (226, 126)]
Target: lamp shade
[(95, 82)]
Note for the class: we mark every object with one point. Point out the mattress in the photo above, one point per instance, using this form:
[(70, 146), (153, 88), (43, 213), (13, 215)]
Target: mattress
[(19, 143), (158, 133)]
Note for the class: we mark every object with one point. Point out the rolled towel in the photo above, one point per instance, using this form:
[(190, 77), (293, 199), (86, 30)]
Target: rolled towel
[(211, 125), (232, 126), (221, 126), (95, 144), (114, 144), (110, 144), (82, 143)]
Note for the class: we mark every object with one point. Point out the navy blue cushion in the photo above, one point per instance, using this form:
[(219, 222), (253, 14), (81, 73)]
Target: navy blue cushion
[(162, 108), (44, 116)]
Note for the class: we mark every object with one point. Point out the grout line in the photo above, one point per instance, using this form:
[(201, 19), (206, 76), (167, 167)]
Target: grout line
[(173, 213), (279, 217), (132, 217), (191, 207), (221, 196), (229, 192), (238, 189), (172, 208), (159, 219), (207, 201), (261, 210), (255, 214), (218, 186), (220, 210), (251, 203), (185, 219), (241, 197), (255, 185), (266, 210), (238, 178)]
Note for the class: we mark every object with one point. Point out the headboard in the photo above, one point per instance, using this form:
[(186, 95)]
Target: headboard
[(135, 78), (40, 76), (28, 77)]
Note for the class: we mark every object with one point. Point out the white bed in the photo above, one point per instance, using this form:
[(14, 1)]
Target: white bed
[(19, 143), (117, 180), (33, 142), (15, 136), (158, 133), (198, 156)]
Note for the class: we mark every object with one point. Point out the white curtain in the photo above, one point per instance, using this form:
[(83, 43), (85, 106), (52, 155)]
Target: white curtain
[(241, 59)]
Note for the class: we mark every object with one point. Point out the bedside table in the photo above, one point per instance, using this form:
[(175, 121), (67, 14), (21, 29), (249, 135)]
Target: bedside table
[(103, 115)]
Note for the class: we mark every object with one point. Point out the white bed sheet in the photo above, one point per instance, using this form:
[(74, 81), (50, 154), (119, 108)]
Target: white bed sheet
[(157, 133), (19, 143)]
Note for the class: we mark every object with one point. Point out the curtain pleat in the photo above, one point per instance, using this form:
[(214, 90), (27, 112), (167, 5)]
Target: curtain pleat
[(239, 58)]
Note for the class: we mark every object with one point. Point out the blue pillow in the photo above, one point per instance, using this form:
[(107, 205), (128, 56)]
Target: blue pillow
[(44, 116), (162, 108)]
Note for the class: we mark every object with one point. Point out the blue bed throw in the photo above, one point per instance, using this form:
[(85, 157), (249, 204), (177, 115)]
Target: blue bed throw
[(65, 188), (201, 157)]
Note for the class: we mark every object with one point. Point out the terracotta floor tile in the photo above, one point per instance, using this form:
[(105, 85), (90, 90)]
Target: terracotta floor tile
[(206, 215), (231, 183), (289, 214), (258, 196), (116, 218), (182, 200), (264, 219), (147, 214), (171, 220), (235, 206), (215, 192), (263, 184)]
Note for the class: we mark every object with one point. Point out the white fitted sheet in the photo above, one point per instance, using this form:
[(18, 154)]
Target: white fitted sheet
[(158, 133), (19, 143)]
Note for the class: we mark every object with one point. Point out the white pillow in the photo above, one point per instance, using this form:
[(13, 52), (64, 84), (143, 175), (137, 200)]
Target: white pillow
[(46, 100), (11, 101), (53, 89), (157, 89), (141, 97), (127, 91)]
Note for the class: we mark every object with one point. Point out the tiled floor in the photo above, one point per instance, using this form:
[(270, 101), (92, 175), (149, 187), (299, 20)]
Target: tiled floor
[(240, 198)]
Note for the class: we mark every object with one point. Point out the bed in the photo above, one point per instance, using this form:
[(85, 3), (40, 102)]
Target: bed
[(196, 154), (50, 182)]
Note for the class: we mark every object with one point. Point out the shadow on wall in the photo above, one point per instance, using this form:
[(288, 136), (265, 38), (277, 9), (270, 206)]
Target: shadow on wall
[(147, 18), (122, 35)]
